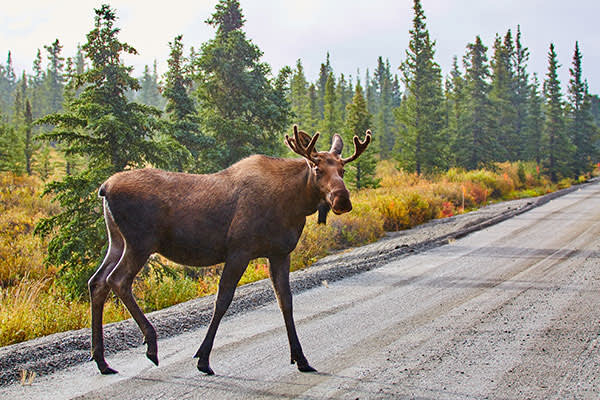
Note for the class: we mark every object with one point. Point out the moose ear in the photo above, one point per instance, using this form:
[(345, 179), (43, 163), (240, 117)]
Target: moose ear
[(336, 145)]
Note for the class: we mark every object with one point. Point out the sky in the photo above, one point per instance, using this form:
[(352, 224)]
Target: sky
[(354, 32)]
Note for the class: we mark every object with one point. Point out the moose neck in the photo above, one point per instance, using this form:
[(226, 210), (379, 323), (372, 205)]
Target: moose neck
[(303, 190)]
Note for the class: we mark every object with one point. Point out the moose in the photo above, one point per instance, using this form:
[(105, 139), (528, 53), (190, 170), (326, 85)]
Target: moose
[(255, 208)]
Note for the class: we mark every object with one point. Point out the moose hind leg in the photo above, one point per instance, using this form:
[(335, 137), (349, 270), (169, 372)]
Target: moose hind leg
[(99, 289), (232, 272), (279, 268), (120, 280)]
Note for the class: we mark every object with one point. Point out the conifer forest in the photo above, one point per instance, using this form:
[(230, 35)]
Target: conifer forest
[(73, 120)]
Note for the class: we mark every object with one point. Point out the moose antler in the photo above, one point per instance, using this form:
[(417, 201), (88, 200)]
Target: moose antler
[(297, 147), (359, 147)]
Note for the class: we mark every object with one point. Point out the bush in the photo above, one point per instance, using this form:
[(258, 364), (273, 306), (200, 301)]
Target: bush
[(362, 225), (565, 183), (406, 209), (157, 291), (257, 269), (448, 210), (315, 242)]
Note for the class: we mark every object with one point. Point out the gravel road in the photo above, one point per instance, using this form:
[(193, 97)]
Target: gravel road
[(510, 311)]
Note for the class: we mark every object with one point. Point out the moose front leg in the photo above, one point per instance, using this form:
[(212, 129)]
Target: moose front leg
[(279, 267), (231, 275)]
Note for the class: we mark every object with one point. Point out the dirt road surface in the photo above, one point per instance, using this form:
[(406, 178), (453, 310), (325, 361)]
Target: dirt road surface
[(508, 312)]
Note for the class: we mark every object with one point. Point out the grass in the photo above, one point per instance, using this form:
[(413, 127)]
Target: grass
[(33, 302)]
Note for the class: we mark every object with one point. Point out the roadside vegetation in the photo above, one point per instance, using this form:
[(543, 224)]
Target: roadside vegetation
[(35, 301)]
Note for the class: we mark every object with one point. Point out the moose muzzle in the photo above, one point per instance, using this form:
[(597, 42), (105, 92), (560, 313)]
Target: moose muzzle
[(340, 201)]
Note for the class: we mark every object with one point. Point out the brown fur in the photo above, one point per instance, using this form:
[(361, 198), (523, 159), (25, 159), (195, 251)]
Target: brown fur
[(255, 208)]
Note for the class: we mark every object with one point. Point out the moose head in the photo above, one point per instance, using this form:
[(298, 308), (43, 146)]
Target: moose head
[(327, 167)]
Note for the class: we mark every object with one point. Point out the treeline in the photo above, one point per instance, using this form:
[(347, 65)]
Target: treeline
[(220, 103), (483, 111)]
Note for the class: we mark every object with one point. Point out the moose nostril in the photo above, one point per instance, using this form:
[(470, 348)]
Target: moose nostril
[(341, 204)]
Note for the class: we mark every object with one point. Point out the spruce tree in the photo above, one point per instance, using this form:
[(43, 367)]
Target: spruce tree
[(342, 97), (502, 96), (384, 117), (455, 98), (29, 144), (11, 77), (361, 172), (22, 122), (71, 91), (8, 84), (181, 112), (54, 82), (421, 143), (11, 148), (581, 130), (36, 82), (324, 71), (38, 72), (149, 92), (240, 107), (113, 134), (396, 93), (313, 104), (591, 131), (557, 147), (19, 99), (370, 93), (522, 91), (331, 118), (534, 123), (299, 98), (475, 145)]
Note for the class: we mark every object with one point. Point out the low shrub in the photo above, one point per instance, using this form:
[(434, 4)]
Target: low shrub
[(363, 225), (156, 291), (406, 209), (22, 253), (35, 308), (565, 183), (315, 242), (257, 269)]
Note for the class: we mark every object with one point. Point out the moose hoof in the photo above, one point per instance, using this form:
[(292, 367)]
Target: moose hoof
[(303, 366), (108, 371), (306, 368), (153, 358), (103, 366), (205, 368)]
